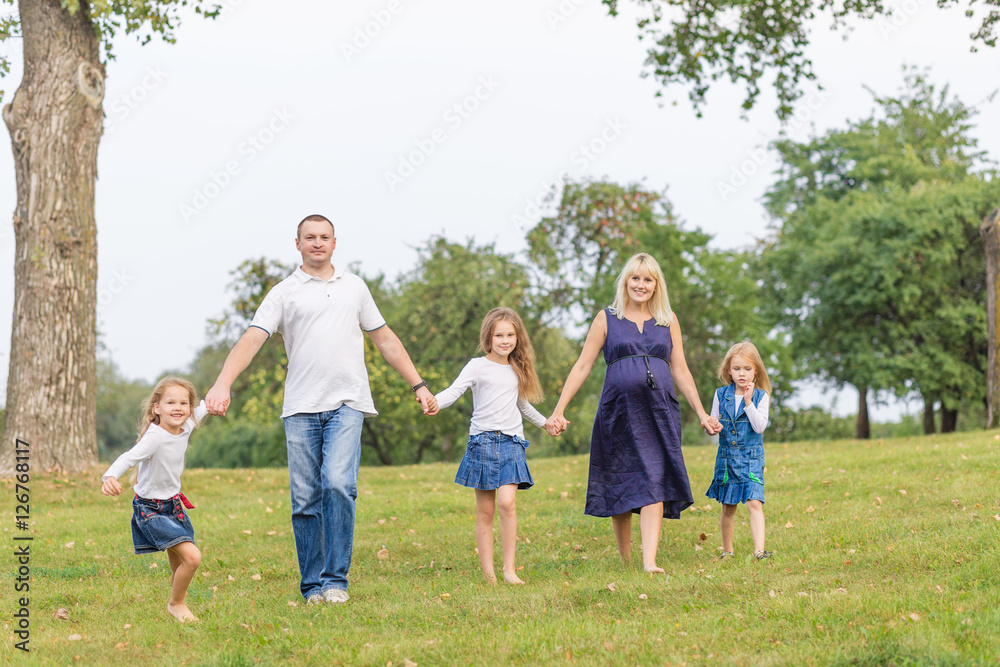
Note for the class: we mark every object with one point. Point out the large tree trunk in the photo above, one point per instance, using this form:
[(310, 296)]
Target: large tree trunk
[(949, 419), (928, 416), (989, 230), (863, 431), (55, 121)]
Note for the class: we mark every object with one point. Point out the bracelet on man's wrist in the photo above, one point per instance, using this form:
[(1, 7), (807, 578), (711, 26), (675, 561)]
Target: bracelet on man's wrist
[(422, 383)]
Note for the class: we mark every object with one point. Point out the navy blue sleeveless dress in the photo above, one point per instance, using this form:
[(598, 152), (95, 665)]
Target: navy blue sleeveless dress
[(635, 449)]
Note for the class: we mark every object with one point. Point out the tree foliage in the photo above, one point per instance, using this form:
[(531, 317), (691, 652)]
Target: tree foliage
[(876, 270), (694, 43)]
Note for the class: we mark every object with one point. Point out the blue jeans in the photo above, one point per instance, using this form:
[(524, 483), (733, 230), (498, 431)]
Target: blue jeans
[(324, 452)]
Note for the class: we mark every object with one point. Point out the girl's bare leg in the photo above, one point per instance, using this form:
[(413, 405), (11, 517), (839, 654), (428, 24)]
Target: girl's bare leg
[(507, 505), (756, 524), (189, 558), (622, 524), (485, 509), (175, 562), (650, 523), (726, 523)]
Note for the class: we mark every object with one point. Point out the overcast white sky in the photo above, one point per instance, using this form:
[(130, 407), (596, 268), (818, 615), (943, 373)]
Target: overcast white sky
[(269, 93)]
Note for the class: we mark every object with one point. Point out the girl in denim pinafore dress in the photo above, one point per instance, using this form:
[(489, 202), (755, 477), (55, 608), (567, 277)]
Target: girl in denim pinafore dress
[(742, 407)]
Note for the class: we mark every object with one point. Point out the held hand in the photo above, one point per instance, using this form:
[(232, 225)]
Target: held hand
[(427, 401), (111, 487), (710, 424), (555, 425), (217, 400)]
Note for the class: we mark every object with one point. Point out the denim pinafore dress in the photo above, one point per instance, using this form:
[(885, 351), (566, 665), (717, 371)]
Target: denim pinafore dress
[(739, 464)]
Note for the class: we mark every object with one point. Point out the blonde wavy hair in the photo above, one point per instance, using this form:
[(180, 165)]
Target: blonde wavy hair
[(522, 358), (748, 351), (659, 304)]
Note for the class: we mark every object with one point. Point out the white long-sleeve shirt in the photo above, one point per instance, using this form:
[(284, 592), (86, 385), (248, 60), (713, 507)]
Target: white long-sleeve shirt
[(495, 402), (757, 416), (160, 455)]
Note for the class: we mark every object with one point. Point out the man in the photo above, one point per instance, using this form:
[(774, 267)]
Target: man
[(321, 312)]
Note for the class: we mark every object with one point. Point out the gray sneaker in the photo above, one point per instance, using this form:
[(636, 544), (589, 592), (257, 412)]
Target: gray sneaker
[(336, 596), (314, 600)]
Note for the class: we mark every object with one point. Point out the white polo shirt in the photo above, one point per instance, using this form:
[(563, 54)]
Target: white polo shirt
[(323, 325)]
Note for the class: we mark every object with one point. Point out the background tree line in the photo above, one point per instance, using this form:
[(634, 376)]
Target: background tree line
[(873, 274)]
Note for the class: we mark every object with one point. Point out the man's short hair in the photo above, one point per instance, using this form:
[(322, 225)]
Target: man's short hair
[(313, 218)]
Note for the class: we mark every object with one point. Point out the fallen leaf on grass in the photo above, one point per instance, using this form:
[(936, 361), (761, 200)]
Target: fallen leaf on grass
[(70, 545), (381, 521), (247, 532), (611, 587), (230, 578), (840, 590), (802, 595), (997, 517), (272, 532), (446, 596), (914, 617), (293, 603), (382, 553), (75, 638), (697, 547), (789, 525), (255, 577), (902, 492), (810, 509), (563, 495), (62, 613), (408, 663), (269, 510), (643, 596), (770, 594), (153, 565), (127, 626), (121, 646), (703, 537)]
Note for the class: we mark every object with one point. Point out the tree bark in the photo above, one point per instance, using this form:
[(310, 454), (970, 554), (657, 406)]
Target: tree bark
[(989, 230), (949, 419), (55, 122), (928, 416), (863, 431)]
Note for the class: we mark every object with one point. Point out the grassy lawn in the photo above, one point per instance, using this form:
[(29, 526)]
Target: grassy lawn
[(885, 553)]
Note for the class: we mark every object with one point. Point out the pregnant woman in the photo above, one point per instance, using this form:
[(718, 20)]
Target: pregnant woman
[(636, 464)]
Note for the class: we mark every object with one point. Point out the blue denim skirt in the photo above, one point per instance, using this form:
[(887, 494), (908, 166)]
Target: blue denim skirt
[(494, 459), (158, 525), (739, 475)]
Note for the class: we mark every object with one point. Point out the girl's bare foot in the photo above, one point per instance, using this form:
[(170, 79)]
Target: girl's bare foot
[(181, 612), (653, 569), (490, 578), (512, 578)]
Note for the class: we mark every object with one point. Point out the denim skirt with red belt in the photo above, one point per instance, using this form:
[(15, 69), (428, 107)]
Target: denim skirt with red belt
[(158, 525)]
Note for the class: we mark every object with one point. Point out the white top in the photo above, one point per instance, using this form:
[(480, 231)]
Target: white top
[(160, 455), (757, 416), (322, 323), (495, 402)]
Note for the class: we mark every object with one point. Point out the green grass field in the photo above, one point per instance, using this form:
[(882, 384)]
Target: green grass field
[(886, 553)]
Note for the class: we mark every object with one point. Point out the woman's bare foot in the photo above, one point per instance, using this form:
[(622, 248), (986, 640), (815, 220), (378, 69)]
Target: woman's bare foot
[(653, 569), (490, 578), (181, 612), (512, 578)]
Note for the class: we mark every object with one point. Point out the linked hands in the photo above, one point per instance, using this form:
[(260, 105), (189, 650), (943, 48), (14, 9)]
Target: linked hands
[(711, 424), (427, 401), (556, 424), (217, 400)]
